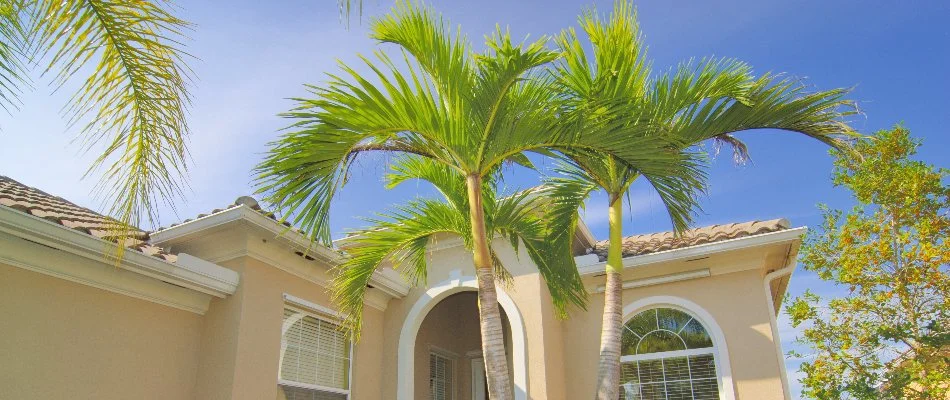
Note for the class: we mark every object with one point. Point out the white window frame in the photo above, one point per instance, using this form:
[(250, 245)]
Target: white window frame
[(310, 309), (451, 357), (719, 349)]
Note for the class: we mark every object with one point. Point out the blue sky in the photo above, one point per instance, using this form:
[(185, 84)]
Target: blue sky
[(253, 55)]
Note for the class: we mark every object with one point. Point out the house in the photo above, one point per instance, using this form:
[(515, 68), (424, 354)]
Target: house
[(233, 305)]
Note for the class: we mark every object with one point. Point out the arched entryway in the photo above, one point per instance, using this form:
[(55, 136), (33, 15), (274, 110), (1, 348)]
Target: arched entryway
[(453, 302)]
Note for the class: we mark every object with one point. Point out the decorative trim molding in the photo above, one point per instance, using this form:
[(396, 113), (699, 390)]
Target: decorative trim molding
[(31, 256), (189, 272), (378, 301), (413, 321), (389, 282), (658, 280), (723, 366), (694, 251)]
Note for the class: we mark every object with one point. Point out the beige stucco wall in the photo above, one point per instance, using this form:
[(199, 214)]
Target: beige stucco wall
[(451, 329), (60, 339), (735, 300), (241, 338)]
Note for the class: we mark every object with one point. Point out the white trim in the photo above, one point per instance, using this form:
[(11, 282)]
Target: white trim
[(189, 272), (658, 280), (721, 351), (302, 385), (389, 282), (773, 320), (668, 354), (413, 321), (376, 299), (313, 307), (695, 251)]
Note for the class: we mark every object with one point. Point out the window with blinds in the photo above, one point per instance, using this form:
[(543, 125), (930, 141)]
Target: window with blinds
[(440, 377), (667, 355), (314, 358)]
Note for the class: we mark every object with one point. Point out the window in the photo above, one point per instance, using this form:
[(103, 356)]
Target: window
[(667, 354), (314, 358), (441, 375)]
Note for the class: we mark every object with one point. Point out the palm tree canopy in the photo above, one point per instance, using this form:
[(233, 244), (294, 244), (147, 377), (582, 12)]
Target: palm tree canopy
[(467, 111), (133, 101), (693, 102), (401, 237)]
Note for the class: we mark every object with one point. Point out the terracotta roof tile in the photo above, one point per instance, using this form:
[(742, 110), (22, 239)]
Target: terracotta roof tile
[(32, 201), (655, 242)]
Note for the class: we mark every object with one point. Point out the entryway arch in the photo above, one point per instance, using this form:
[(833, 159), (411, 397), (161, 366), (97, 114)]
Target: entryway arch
[(410, 328)]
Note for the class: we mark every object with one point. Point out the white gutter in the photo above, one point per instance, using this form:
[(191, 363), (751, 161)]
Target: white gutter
[(773, 319), (189, 272), (585, 267), (388, 281)]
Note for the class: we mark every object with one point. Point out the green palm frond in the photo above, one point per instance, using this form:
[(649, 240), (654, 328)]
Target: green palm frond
[(400, 238), (13, 45), (132, 103)]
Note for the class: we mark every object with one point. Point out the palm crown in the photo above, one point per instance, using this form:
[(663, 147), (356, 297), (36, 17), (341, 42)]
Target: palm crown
[(467, 111), (695, 102), (401, 237)]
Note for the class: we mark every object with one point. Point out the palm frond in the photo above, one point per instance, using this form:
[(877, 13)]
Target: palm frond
[(13, 46), (399, 237), (134, 100)]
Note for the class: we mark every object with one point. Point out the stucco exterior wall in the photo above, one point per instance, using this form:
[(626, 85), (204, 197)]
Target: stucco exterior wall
[(736, 301), (60, 339)]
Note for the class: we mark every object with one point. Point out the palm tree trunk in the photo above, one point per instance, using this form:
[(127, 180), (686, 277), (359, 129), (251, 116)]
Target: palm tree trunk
[(493, 339), (608, 374)]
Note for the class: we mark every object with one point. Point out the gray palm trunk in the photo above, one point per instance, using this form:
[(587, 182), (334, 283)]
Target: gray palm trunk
[(489, 316), (608, 372)]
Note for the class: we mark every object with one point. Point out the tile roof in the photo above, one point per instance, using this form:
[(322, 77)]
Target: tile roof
[(248, 201), (655, 242), (35, 202)]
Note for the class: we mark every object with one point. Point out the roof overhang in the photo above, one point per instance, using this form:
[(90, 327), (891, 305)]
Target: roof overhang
[(589, 264), (390, 282), (188, 272)]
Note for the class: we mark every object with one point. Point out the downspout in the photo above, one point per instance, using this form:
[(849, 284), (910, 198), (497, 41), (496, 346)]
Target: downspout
[(771, 276)]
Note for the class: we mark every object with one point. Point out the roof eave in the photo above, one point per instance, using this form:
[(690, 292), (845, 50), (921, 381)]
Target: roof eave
[(390, 283), (589, 264), (188, 272)]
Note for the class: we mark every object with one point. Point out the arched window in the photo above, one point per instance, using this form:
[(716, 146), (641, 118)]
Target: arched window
[(667, 354)]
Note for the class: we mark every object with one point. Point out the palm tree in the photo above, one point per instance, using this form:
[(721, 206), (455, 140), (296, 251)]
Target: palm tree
[(694, 102), (402, 236), (133, 99), (469, 112)]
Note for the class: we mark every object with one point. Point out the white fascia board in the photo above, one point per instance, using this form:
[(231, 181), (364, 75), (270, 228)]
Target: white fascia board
[(585, 232), (391, 283), (695, 251), (192, 273)]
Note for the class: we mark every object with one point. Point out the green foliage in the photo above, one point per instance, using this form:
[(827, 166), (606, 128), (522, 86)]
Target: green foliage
[(401, 237), (697, 101), (133, 101), (889, 337)]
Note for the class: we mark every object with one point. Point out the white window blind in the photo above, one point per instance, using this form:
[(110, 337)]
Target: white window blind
[(314, 358), (667, 354), (440, 377)]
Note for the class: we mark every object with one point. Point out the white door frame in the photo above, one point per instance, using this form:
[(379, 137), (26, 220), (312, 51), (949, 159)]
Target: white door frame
[(405, 381), (478, 377)]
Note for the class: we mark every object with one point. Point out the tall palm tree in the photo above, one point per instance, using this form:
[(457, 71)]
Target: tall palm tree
[(133, 100), (694, 102), (402, 236), (468, 111)]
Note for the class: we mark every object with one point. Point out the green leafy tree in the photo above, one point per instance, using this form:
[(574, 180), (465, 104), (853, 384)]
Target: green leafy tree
[(694, 102), (889, 337), (133, 97), (468, 111)]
